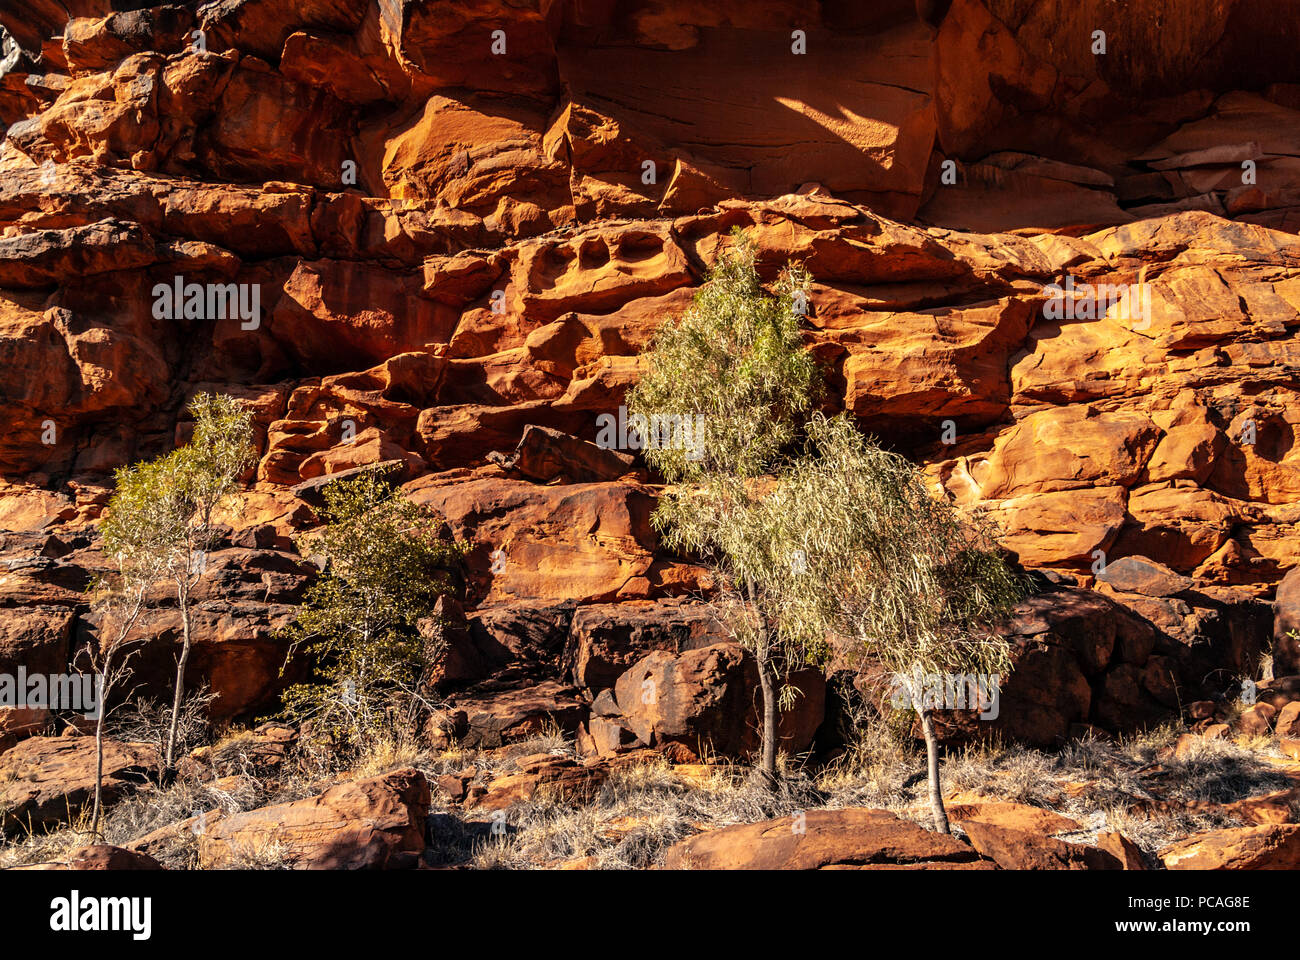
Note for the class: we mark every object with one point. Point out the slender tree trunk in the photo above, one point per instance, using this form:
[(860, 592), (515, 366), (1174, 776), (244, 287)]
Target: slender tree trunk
[(767, 766), (169, 760), (767, 754), (99, 769), (932, 768), (109, 676)]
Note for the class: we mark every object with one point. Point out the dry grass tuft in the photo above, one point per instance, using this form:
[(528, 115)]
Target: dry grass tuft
[(1134, 785)]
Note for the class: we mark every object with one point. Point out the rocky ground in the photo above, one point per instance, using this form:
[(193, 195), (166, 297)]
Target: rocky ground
[(1227, 799), (458, 255)]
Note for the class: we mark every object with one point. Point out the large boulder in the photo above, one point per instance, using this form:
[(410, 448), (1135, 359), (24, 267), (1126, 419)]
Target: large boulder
[(369, 824), (546, 455), (855, 838), (518, 640), (46, 780), (495, 713), (605, 639), (36, 637), (1211, 634), (1140, 575), (19, 722), (1286, 620), (1116, 661), (101, 856), (1270, 847), (708, 700), (1279, 692), (587, 542), (541, 777), (1014, 849), (1016, 816)]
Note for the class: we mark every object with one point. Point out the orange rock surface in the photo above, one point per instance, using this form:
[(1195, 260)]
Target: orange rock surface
[(452, 243)]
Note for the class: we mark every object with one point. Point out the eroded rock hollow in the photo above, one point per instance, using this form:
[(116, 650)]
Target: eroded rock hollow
[(450, 229)]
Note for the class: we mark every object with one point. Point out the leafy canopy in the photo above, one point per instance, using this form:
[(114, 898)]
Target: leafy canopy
[(840, 544), (850, 544), (145, 517), (386, 563), (735, 359), (219, 452), (161, 511)]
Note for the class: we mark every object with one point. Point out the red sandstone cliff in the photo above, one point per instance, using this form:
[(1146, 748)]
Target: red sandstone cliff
[(450, 244)]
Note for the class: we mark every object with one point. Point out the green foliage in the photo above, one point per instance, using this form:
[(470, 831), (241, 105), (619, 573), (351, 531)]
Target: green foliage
[(161, 511), (840, 549), (159, 521), (735, 359), (386, 565), (146, 517), (219, 452), (850, 544)]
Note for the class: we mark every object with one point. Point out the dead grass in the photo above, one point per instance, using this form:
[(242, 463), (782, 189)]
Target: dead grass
[(1134, 785), (34, 847), (267, 853), (385, 756), (639, 812)]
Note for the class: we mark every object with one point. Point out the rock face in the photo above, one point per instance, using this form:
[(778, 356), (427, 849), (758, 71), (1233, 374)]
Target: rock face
[(19, 722), (708, 700), (452, 244), (369, 824), (824, 840), (103, 856), (544, 455), (1014, 849), (606, 639), (1269, 847), (1113, 661), (497, 716), (44, 780), (540, 776), (1015, 816), (1286, 647)]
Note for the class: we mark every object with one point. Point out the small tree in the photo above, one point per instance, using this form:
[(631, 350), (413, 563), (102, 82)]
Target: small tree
[(890, 571), (209, 469), (175, 498), (137, 532), (385, 566), (135, 536), (843, 543), (733, 367)]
